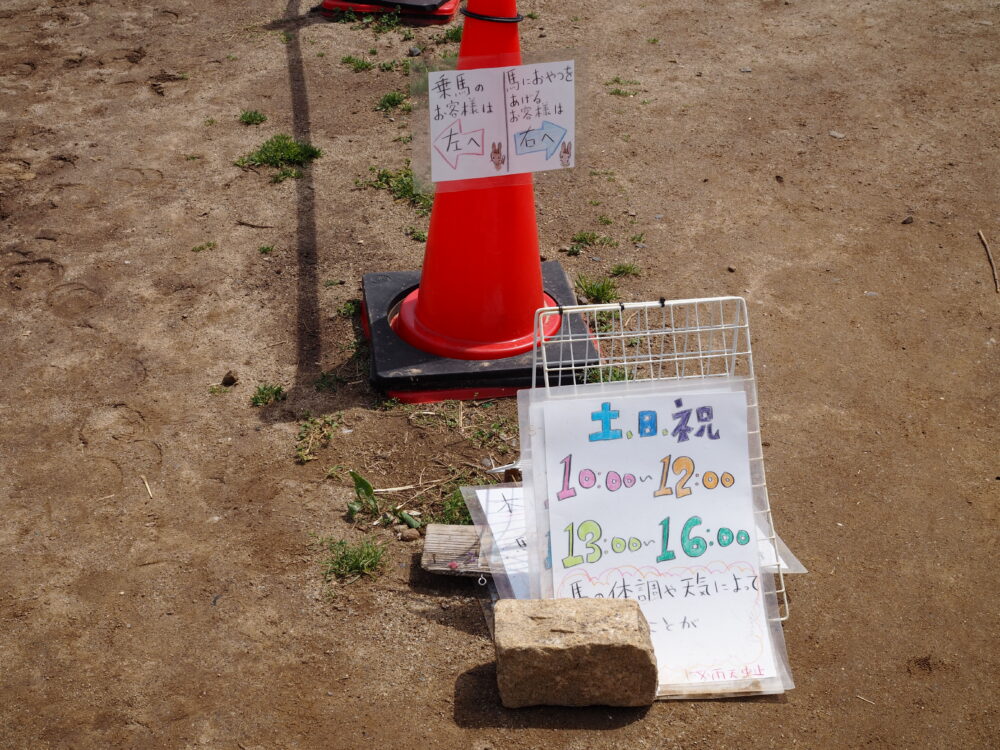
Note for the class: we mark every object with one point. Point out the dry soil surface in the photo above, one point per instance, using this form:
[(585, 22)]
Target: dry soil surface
[(771, 150)]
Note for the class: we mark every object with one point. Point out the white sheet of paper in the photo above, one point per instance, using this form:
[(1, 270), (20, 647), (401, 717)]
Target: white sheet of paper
[(505, 514), (489, 122), (650, 499)]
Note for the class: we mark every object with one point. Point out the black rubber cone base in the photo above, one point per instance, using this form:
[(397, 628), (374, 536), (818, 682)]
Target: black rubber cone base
[(412, 375)]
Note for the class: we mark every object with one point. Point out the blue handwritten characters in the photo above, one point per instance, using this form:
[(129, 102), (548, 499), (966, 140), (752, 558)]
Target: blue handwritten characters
[(698, 421), (605, 416)]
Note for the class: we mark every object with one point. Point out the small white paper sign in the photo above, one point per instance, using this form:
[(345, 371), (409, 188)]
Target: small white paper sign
[(488, 122), (650, 499), (505, 514)]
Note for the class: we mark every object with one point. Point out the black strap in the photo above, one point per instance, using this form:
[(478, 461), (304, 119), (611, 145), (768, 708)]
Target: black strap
[(496, 19)]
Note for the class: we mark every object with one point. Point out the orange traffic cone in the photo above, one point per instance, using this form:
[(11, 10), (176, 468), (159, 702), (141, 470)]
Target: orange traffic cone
[(482, 278)]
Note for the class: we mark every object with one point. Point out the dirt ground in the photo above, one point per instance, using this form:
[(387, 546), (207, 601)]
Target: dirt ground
[(771, 150)]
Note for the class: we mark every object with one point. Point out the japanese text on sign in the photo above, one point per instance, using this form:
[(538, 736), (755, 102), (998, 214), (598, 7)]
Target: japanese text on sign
[(525, 115), (650, 498)]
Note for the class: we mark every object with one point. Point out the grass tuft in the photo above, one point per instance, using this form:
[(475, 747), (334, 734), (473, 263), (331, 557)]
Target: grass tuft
[(349, 309), (279, 151), (621, 270), (351, 561), (401, 186), (252, 117), (596, 291), (204, 246), (357, 64), (450, 35), (267, 394), (314, 433), (391, 101), (453, 510)]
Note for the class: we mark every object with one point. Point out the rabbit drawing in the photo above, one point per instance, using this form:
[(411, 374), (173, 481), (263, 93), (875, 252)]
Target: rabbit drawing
[(497, 157), (565, 154)]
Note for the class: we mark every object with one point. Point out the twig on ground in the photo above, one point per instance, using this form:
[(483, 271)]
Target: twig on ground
[(254, 226), (148, 491), (993, 265), (864, 699), (393, 490)]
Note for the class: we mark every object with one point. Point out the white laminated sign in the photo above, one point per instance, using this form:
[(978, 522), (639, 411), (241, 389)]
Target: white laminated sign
[(489, 122), (648, 496)]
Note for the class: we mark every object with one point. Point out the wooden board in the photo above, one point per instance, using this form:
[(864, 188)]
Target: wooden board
[(454, 551)]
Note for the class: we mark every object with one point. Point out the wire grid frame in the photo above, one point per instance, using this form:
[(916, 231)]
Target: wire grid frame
[(652, 341)]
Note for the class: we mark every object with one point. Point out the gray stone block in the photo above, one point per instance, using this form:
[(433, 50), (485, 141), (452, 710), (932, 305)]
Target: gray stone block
[(574, 652)]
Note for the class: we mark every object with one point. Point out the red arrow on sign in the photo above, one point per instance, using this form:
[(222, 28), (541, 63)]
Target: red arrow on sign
[(452, 143)]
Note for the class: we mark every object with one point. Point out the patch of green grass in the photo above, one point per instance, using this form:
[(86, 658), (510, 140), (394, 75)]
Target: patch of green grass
[(279, 151), (637, 238), (390, 101), (653, 40), (314, 433), (574, 250), (403, 138), (406, 34), (596, 291), (343, 16), (267, 394), (204, 246), (450, 35), (232, 57), (320, 54), (217, 390), (594, 203), (401, 186), (357, 64), (265, 249), (346, 561), (328, 381), (209, 122), (532, 15), (494, 436), (286, 173), (193, 157), (417, 235), (605, 220), (349, 309), (284, 37), (621, 270), (453, 510), (607, 242), (252, 117), (584, 239), (618, 83), (387, 66), (381, 23), (606, 374)]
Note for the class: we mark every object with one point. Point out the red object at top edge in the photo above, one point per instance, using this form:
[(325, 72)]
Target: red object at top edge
[(482, 277), (442, 14)]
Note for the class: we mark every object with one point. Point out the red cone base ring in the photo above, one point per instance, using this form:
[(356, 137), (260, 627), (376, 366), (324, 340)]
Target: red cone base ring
[(408, 327)]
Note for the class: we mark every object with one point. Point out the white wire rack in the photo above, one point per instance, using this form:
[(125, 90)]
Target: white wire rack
[(639, 342)]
